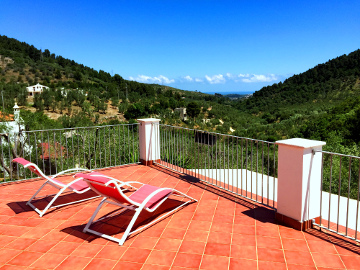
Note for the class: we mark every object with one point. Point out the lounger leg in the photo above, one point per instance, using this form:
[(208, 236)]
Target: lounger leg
[(129, 227), (52, 201), (36, 193), (94, 215)]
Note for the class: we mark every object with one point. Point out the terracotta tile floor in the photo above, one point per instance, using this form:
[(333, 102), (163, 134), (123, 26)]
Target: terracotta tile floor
[(220, 231)]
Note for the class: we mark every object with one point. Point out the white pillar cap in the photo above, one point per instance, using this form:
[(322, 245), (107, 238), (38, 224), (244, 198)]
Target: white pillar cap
[(301, 143)]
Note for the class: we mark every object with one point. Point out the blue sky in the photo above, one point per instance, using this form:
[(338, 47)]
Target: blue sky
[(209, 46)]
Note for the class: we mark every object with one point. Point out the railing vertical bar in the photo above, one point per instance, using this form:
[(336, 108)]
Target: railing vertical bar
[(78, 147), (337, 223), (257, 169), (109, 144), (216, 162), (224, 166), (9, 143), (251, 168), (246, 169), (268, 176), (61, 152), (72, 148), (228, 162), (331, 161), (237, 165), (55, 152), (119, 144), (262, 173), (67, 151), (128, 143), (357, 203), (348, 199), (49, 146), (242, 164), (2, 154), (321, 186), (274, 176)]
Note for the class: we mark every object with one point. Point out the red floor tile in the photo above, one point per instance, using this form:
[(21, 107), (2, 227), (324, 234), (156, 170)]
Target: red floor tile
[(192, 247), (297, 257), (42, 246), (219, 237), (74, 263), (100, 264), (21, 243), (26, 258), (196, 235), (236, 264), (217, 249), (214, 263), (8, 254), (173, 233), (187, 260), (128, 266), (351, 262), (168, 244), (144, 242), (271, 255), (64, 248), (321, 247), (243, 240), (111, 252), (269, 242), (327, 260), (87, 250), (294, 244), (272, 266), (136, 255), (243, 252), (161, 257), (49, 261)]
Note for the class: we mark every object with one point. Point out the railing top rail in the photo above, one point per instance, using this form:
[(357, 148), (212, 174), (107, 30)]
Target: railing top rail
[(337, 154), (215, 133), (75, 128)]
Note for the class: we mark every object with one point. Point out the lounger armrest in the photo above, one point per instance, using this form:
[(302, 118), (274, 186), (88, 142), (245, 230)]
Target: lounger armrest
[(70, 170)]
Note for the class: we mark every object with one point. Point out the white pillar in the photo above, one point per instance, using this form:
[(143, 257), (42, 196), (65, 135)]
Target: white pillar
[(299, 182), (149, 140)]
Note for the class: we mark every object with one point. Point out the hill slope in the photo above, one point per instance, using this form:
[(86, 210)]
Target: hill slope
[(329, 83)]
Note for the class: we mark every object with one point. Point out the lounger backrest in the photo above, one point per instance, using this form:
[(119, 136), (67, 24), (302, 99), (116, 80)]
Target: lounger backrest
[(31, 166), (104, 186)]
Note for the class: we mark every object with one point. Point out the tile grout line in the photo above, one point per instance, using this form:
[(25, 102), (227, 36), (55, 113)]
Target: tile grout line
[(282, 247)]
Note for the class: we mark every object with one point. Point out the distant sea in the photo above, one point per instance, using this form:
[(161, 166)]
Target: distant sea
[(231, 92)]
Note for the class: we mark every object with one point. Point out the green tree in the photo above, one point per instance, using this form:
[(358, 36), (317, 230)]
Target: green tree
[(193, 109)]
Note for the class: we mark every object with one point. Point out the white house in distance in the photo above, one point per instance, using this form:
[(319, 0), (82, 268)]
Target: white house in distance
[(182, 112), (36, 89), (10, 122)]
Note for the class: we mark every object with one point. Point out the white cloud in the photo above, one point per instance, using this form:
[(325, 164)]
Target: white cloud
[(215, 79), (147, 79), (188, 78), (198, 80), (259, 78)]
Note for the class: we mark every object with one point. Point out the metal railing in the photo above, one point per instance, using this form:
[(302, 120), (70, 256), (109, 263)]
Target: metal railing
[(243, 166), (340, 189), (55, 150)]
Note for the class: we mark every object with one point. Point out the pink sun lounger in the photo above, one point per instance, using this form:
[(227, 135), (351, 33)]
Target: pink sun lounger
[(147, 198), (78, 185)]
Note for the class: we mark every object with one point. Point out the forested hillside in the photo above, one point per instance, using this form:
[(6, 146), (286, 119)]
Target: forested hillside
[(321, 103)]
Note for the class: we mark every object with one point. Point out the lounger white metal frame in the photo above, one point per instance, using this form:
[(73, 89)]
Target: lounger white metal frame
[(147, 198), (78, 185)]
